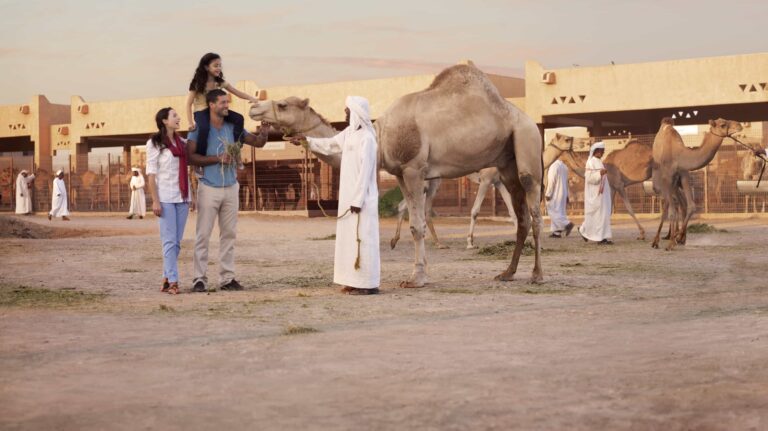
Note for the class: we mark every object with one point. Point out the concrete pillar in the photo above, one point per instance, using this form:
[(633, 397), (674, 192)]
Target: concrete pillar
[(127, 158), (80, 157)]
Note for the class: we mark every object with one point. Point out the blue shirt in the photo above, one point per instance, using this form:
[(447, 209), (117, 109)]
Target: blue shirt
[(217, 175)]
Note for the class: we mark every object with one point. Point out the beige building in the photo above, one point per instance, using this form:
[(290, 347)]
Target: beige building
[(609, 101)]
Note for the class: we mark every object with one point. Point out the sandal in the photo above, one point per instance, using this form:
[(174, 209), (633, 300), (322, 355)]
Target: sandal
[(173, 288), (166, 285)]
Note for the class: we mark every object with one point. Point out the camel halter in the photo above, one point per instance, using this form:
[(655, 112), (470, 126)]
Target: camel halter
[(317, 190)]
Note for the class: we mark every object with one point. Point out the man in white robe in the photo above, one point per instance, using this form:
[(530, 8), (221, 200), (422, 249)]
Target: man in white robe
[(597, 199), (24, 192), (557, 199), (138, 200), (356, 263), (59, 198)]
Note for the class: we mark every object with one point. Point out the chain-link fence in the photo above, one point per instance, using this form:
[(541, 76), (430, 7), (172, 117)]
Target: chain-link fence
[(100, 182)]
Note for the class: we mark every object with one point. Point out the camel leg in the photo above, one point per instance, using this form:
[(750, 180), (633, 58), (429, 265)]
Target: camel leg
[(507, 198), (664, 212), (674, 208), (402, 207), (432, 187), (481, 191), (412, 185), (526, 195), (689, 207), (623, 193)]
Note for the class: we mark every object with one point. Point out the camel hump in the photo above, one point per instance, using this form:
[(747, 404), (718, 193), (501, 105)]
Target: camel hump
[(466, 78)]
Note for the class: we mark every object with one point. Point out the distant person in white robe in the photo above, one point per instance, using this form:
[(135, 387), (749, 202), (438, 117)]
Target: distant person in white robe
[(356, 262), (597, 199), (24, 192), (59, 198), (138, 199), (557, 199)]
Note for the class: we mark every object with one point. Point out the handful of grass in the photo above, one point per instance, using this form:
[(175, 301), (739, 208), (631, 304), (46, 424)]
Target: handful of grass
[(232, 149)]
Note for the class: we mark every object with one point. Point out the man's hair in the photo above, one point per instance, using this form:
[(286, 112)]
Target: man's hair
[(214, 95)]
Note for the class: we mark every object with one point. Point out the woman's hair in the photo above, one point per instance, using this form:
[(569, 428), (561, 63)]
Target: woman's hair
[(201, 75), (159, 138)]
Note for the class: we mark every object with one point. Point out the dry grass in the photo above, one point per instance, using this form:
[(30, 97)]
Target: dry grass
[(299, 330), (24, 296)]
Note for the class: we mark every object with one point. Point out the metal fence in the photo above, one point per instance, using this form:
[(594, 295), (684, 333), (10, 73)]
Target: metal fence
[(102, 184)]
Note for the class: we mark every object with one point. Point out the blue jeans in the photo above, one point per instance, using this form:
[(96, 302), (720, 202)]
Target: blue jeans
[(172, 223)]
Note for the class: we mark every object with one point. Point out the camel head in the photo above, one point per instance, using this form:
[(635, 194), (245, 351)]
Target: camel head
[(723, 128), (569, 143), (292, 114)]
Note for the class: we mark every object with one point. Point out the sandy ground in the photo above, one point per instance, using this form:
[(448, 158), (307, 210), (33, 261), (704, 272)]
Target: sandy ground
[(619, 337)]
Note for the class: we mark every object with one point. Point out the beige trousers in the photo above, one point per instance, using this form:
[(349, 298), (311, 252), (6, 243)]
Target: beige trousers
[(213, 202)]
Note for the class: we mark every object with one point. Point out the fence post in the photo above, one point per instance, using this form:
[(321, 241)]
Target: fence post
[(12, 180), (706, 189), (109, 183), (253, 176), (119, 188), (70, 203), (493, 201), (31, 190)]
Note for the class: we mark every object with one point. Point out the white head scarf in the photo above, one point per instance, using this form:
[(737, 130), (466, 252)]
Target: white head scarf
[(360, 114), (59, 172), (596, 146), (136, 170)]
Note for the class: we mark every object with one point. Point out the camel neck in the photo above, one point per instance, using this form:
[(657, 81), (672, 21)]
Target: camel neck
[(697, 158), (570, 161)]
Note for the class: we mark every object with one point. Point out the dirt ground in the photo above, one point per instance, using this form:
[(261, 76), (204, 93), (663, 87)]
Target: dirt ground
[(618, 337)]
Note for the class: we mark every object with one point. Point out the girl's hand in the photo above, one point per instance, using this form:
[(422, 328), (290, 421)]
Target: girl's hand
[(192, 126), (157, 209)]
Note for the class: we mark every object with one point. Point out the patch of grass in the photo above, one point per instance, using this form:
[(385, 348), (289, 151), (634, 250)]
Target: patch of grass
[(303, 281), (704, 228), (24, 296), (455, 290), (503, 250), (324, 238), (166, 308), (388, 202), (131, 270), (299, 330), (303, 295)]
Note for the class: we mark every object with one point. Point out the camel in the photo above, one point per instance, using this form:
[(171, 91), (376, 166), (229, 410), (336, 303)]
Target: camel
[(672, 162), (627, 166), (490, 176), (425, 135), (294, 115)]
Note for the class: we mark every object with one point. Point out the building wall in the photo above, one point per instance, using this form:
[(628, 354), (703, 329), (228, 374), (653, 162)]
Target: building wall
[(667, 84)]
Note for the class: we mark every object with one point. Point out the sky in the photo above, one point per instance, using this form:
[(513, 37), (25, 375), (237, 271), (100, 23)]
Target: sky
[(110, 50)]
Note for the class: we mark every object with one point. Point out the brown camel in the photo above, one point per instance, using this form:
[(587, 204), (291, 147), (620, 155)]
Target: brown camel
[(672, 162), (425, 135), (627, 166)]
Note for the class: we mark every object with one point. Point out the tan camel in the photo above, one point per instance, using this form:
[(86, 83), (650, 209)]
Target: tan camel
[(294, 115), (417, 142), (490, 176), (627, 166), (672, 162)]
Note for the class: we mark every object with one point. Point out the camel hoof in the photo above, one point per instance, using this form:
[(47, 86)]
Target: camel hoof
[(641, 238), (505, 276), (655, 245), (537, 279), (471, 247), (411, 285), (393, 243), (441, 246)]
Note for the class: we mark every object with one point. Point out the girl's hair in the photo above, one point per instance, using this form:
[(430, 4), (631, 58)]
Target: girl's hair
[(159, 138), (201, 75)]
